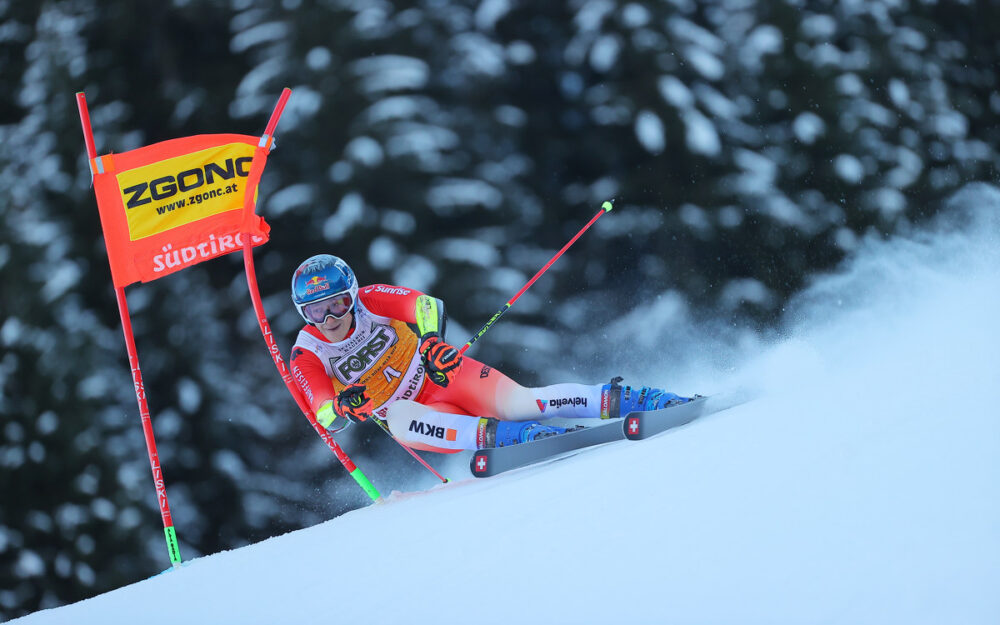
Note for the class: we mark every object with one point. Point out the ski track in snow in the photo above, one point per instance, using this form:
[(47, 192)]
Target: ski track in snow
[(861, 486)]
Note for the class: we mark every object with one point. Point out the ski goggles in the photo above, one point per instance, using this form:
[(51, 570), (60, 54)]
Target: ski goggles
[(335, 306)]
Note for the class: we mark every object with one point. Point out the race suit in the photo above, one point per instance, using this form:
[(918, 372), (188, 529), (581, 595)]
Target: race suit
[(381, 353)]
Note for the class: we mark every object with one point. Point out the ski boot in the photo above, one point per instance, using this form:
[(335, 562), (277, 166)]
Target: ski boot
[(506, 433), (623, 400)]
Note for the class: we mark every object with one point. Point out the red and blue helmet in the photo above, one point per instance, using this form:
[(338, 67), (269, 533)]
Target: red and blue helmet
[(324, 286)]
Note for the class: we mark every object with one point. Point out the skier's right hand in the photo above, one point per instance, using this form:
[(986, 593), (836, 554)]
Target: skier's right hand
[(354, 403), (441, 360)]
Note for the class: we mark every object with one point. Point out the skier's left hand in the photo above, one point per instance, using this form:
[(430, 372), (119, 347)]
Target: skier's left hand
[(354, 403), (441, 360)]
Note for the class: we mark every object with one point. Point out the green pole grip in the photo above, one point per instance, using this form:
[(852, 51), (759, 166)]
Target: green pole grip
[(172, 547), (364, 483)]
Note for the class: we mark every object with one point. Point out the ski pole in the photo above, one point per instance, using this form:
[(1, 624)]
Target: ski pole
[(385, 429), (605, 207)]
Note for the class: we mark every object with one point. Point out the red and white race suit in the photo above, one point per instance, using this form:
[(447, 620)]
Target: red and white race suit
[(381, 353)]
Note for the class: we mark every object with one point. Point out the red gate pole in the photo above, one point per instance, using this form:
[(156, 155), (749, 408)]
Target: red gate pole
[(133, 360), (256, 169)]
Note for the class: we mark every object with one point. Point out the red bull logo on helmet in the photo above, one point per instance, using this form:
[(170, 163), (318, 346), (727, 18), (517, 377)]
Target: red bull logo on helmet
[(316, 284)]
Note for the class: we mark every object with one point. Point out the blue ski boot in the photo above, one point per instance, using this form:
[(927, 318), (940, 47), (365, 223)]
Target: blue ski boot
[(622, 400), (499, 433)]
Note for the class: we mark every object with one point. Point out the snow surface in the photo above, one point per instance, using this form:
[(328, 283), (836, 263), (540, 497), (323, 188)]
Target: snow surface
[(861, 486)]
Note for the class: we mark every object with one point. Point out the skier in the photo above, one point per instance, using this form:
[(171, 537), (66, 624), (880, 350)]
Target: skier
[(380, 352)]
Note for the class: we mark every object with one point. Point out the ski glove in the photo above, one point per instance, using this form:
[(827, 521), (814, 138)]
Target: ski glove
[(441, 361), (328, 418), (354, 403)]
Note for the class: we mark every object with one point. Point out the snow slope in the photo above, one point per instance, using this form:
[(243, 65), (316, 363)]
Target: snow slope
[(860, 487)]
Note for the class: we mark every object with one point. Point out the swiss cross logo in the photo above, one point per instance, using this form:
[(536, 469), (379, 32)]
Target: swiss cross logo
[(633, 425), (480, 463)]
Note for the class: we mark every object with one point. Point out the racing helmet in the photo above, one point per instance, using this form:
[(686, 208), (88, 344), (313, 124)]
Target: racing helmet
[(324, 286)]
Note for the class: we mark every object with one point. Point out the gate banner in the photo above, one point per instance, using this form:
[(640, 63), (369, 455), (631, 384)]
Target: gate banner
[(174, 204)]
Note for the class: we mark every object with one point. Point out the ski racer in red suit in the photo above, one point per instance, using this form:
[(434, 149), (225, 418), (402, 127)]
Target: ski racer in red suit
[(379, 351)]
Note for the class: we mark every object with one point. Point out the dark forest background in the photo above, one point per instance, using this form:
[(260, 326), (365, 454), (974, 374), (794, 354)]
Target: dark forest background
[(450, 146)]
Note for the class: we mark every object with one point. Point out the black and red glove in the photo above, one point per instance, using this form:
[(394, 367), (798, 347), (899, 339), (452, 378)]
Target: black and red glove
[(441, 361), (354, 403)]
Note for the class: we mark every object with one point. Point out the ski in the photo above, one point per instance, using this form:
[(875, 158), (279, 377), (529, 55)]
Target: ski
[(635, 426), (487, 462), (639, 425)]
